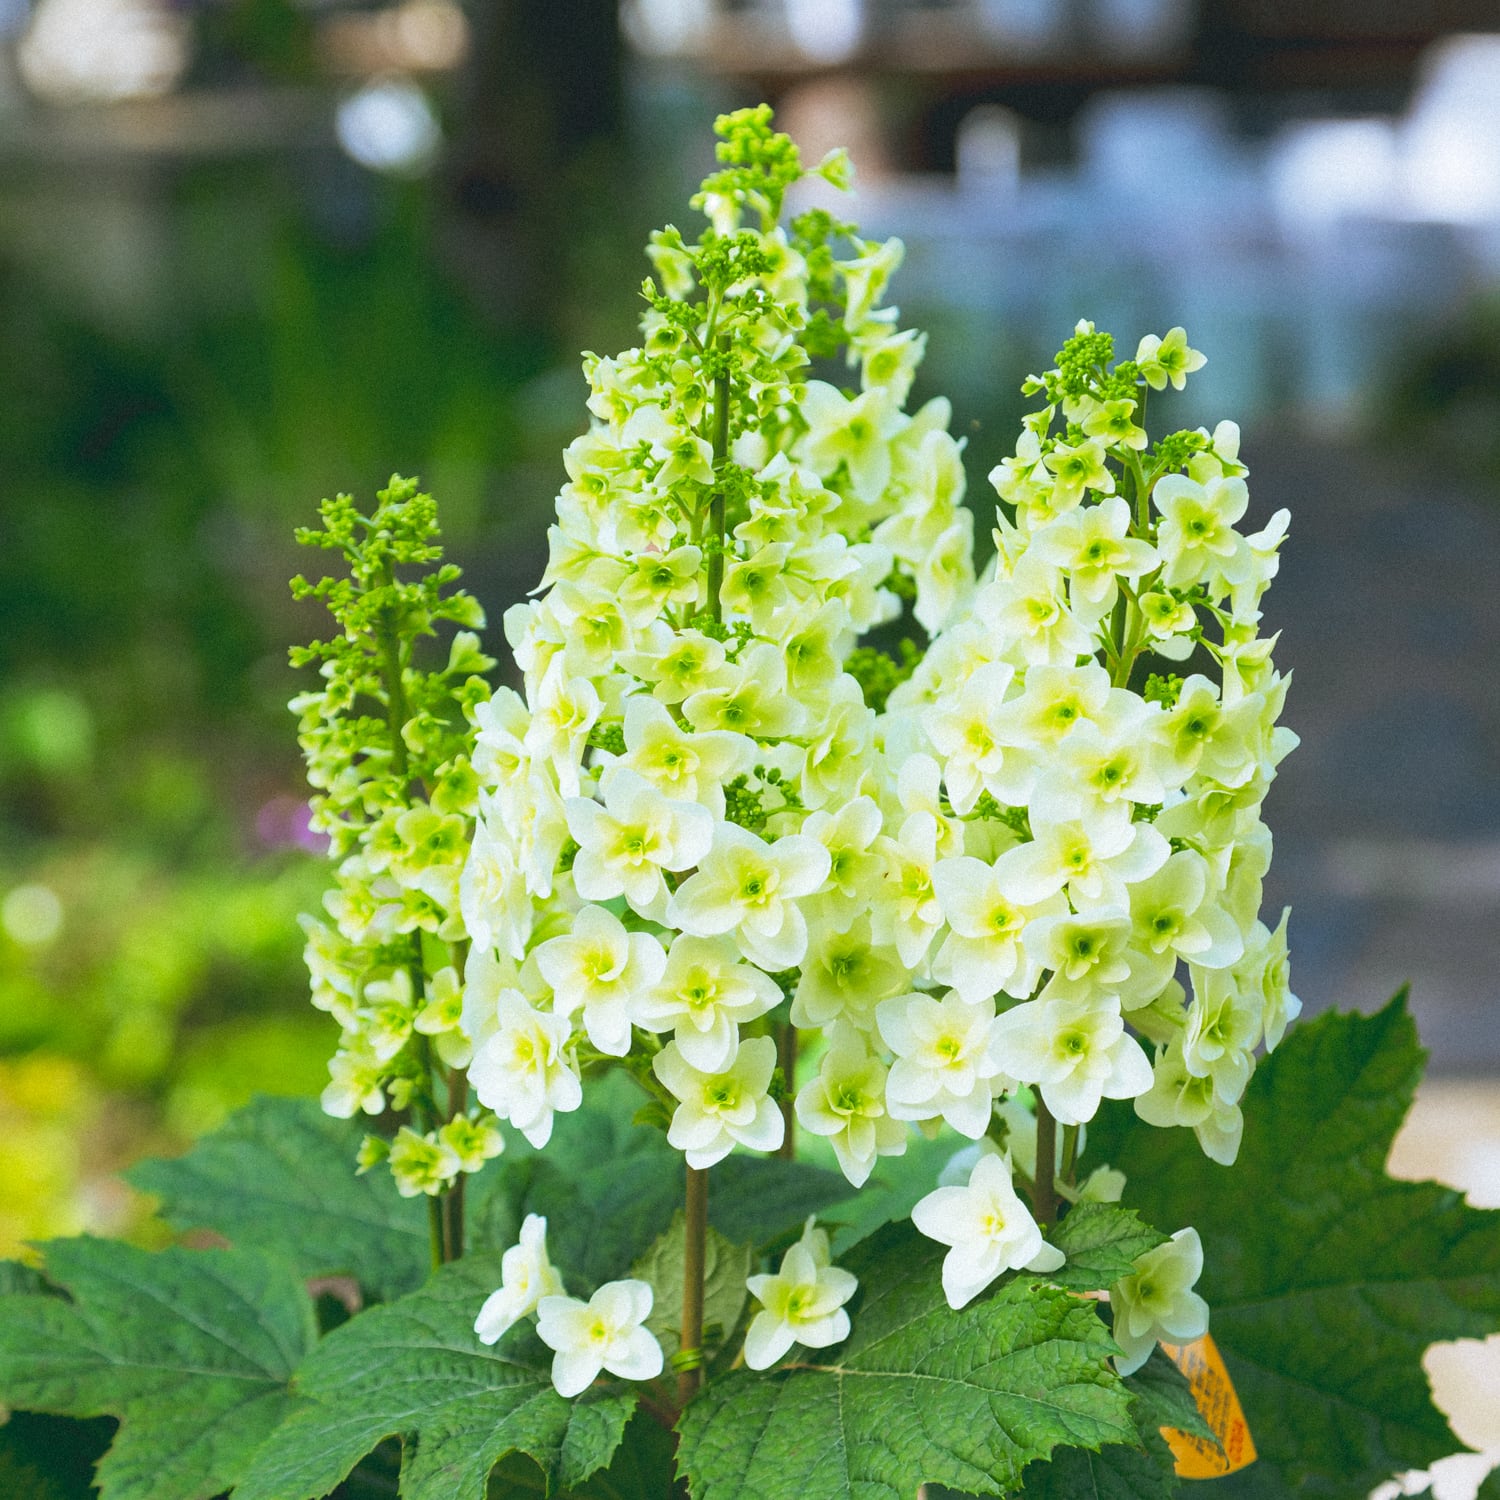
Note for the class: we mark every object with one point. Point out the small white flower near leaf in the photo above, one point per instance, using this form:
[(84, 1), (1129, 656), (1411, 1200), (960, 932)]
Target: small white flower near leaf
[(526, 1276), (606, 1334), (1157, 1300), (803, 1303), (989, 1229)]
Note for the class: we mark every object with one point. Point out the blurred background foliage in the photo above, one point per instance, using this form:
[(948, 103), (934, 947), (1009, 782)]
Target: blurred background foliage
[(253, 252)]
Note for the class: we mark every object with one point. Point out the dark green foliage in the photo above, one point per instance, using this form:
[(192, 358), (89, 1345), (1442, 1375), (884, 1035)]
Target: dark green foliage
[(725, 1269), (278, 1177), (1101, 1242), (1159, 1398), (415, 1370), (607, 1187), (1327, 1278), (51, 1458), (191, 1350)]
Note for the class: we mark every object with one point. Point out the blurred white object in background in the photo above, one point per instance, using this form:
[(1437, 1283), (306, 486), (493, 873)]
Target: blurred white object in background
[(1140, 28), (1321, 171), (389, 126), (664, 27), (988, 154), (100, 51), (1136, 145), (1022, 25), (1451, 137), (825, 30)]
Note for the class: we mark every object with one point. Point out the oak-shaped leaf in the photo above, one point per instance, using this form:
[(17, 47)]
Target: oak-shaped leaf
[(1327, 1278), (1145, 1470), (191, 1350), (918, 1393), (414, 1370), (279, 1176)]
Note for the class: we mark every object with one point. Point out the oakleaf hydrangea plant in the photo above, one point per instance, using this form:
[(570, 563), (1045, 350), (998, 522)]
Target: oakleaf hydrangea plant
[(760, 1052), (782, 881)]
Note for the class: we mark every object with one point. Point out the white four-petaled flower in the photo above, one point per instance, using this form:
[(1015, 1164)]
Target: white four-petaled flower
[(988, 1228), (803, 1303), (605, 1334), (1157, 1301)]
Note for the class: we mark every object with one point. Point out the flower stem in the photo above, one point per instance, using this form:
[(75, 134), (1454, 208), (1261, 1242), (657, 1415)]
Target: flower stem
[(695, 1243), (435, 1232), (1069, 1153), (395, 685), (1044, 1189), (716, 519), (786, 1057)]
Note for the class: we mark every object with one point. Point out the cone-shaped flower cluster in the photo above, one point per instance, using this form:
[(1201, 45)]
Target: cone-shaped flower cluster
[(395, 795), (683, 813), (1099, 832)]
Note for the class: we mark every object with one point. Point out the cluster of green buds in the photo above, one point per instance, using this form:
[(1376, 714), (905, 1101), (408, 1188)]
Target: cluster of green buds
[(387, 742)]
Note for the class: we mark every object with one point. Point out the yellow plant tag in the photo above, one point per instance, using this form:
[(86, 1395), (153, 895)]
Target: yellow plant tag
[(1213, 1390)]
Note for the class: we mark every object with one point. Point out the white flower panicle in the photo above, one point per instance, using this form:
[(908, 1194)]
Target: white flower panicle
[(1101, 813), (686, 813)]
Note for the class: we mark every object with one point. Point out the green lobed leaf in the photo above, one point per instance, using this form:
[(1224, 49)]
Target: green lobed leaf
[(1101, 1242), (15, 1277), (725, 1269), (279, 1176), (1327, 1278), (1160, 1397), (918, 1393), (191, 1350), (643, 1468), (413, 1369)]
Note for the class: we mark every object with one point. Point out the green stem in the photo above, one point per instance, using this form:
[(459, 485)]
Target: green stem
[(453, 1199), (695, 1243), (716, 518), (395, 686), (786, 1057), (1044, 1188), (1069, 1153), (445, 1214)]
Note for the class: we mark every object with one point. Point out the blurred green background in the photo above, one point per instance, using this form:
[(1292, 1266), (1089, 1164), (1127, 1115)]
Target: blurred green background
[(253, 252)]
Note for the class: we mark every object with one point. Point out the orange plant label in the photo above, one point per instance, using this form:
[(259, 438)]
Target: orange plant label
[(1214, 1392)]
